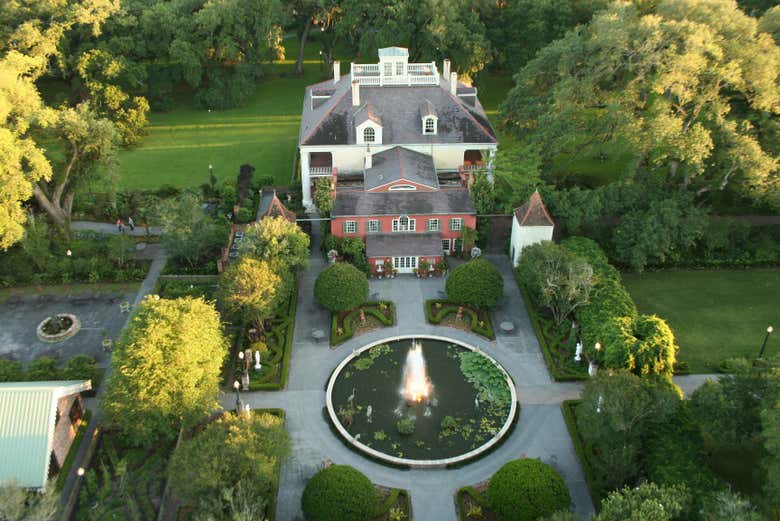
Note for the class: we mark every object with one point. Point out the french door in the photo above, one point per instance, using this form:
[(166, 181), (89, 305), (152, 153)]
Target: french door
[(405, 264)]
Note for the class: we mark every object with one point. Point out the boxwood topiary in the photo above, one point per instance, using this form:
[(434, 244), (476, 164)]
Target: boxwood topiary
[(526, 489), (340, 287), (339, 493), (477, 283)]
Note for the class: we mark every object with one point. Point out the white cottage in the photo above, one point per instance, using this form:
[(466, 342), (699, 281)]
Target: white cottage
[(531, 224), (386, 105)]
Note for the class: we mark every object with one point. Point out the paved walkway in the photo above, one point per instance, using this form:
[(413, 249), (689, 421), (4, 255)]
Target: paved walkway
[(110, 228)]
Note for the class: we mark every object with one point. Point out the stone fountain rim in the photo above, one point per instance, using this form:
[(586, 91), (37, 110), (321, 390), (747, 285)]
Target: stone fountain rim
[(416, 463), (74, 328)]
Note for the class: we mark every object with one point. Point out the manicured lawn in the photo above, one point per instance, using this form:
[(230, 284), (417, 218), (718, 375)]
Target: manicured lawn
[(181, 144), (714, 314)]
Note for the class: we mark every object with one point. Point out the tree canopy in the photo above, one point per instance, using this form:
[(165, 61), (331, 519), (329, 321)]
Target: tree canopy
[(341, 287), (234, 450), (477, 283), (166, 369), (250, 288), (687, 83)]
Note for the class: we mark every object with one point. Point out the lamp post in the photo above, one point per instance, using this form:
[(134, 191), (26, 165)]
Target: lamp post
[(236, 386), (763, 345)]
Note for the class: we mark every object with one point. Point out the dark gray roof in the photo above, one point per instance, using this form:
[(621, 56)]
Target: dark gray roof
[(400, 163), (365, 112), (397, 244), (427, 109), (360, 203), (461, 119)]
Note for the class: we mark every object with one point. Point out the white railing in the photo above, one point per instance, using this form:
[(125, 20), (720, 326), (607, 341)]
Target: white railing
[(414, 74), (320, 171)]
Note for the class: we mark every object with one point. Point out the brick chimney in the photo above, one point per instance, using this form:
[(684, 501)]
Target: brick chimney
[(355, 93), (446, 68), (336, 71), (454, 83)]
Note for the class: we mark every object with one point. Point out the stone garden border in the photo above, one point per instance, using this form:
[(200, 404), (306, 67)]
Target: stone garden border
[(413, 463), (59, 337)]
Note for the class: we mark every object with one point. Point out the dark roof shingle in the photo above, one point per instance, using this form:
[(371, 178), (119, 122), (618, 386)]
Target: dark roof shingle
[(359, 203), (398, 244)]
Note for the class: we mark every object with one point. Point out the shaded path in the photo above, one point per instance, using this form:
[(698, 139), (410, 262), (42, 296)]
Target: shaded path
[(110, 228)]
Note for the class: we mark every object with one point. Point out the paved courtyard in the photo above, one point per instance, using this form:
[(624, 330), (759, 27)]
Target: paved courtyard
[(98, 311), (540, 431)]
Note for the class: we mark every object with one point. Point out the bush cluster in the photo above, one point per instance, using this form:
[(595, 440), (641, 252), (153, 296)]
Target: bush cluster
[(94, 258), (642, 343), (80, 367), (526, 489), (477, 283), (341, 287), (339, 493)]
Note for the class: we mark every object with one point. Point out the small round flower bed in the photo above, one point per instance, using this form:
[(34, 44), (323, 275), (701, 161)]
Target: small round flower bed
[(58, 328)]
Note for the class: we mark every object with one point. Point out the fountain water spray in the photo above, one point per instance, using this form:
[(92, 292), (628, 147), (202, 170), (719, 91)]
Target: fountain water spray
[(416, 386)]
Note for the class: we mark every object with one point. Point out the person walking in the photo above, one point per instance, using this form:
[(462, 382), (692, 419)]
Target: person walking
[(120, 226), (130, 223)]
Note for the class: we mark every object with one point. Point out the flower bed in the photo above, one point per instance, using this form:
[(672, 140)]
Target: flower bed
[(472, 504), (347, 324), (58, 328), (74, 448), (444, 312), (395, 504), (275, 355), (557, 343), (123, 482)]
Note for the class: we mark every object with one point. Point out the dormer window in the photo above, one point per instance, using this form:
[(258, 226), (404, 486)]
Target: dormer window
[(369, 135), (429, 125)]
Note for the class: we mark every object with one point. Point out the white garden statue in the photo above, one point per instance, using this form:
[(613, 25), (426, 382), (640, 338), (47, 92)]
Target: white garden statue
[(257, 361), (578, 352)]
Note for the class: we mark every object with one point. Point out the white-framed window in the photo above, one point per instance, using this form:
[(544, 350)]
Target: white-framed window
[(404, 224), (373, 226), (404, 262), (445, 245), (369, 135), (388, 69), (350, 226), (403, 187), (433, 225), (456, 223), (399, 68), (429, 125)]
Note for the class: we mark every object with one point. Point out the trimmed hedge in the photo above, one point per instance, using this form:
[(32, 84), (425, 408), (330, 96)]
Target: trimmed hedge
[(282, 330), (341, 287), (643, 344), (395, 495), (349, 322), (339, 493), (477, 283), (478, 319), (526, 489), (474, 494), (567, 408)]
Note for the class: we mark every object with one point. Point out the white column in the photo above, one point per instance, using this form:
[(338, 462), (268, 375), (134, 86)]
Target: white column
[(491, 163), (305, 180)]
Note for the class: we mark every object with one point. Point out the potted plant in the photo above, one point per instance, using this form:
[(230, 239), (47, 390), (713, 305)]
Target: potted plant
[(389, 269), (422, 271), (442, 267)]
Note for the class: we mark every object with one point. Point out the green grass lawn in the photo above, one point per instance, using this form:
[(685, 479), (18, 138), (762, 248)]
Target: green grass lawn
[(714, 314), (181, 144)]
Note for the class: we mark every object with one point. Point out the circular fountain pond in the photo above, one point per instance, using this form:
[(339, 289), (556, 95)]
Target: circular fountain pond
[(421, 401)]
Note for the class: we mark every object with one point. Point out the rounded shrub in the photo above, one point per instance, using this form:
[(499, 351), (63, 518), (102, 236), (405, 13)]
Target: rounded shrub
[(477, 283), (341, 287), (339, 493), (526, 489)]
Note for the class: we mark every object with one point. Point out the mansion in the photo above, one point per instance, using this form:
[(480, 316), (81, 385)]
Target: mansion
[(399, 142)]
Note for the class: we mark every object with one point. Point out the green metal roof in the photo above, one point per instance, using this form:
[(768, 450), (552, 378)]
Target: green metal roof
[(27, 415)]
